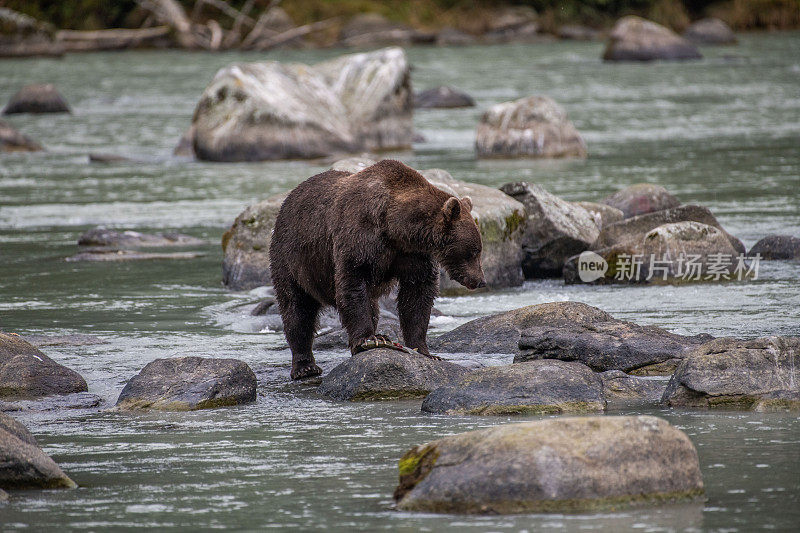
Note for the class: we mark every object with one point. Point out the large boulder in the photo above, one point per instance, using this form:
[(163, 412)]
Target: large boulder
[(556, 229), (671, 253), (535, 126), (188, 384), (501, 333), (603, 342), (108, 238), (536, 387), (245, 246), (641, 198), (37, 98), (736, 373), (632, 230), (23, 36), (23, 465), (502, 223), (776, 247), (25, 372), (635, 39), (270, 110), (384, 374), (554, 465), (443, 96), (710, 31), (11, 140)]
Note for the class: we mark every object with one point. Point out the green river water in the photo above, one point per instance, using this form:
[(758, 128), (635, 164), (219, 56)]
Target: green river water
[(722, 132)]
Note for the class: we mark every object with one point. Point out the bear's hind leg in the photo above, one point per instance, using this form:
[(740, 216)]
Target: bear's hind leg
[(299, 311)]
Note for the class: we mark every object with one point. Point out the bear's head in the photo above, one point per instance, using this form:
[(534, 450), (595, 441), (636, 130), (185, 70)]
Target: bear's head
[(460, 253)]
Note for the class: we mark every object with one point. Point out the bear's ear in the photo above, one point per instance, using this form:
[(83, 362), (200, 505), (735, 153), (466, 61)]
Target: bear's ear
[(451, 209), (468, 202)]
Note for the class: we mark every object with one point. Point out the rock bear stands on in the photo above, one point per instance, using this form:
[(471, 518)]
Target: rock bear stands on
[(345, 239)]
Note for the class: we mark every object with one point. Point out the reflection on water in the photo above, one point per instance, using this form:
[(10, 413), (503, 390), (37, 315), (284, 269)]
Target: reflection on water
[(720, 132)]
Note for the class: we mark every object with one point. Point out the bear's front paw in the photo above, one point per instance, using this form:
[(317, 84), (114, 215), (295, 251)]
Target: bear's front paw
[(305, 371)]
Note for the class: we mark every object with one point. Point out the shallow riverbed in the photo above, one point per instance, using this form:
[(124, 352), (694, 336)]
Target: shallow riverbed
[(722, 132)]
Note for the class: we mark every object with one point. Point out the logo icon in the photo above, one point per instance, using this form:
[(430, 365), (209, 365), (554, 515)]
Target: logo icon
[(591, 267)]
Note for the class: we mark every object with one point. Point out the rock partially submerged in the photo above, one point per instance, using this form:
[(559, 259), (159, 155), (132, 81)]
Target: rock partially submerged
[(115, 256), (535, 126), (587, 334), (270, 110), (738, 374), (554, 465), (536, 387), (383, 374), (27, 373), (23, 465), (636, 39), (57, 402), (133, 239), (189, 384), (556, 229), (776, 247), (443, 96), (11, 140), (710, 31), (641, 198), (37, 98)]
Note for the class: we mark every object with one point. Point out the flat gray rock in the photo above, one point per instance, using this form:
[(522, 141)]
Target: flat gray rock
[(625, 388), (27, 373), (134, 239), (118, 256), (384, 374), (738, 374), (442, 97), (536, 387), (553, 465), (188, 384)]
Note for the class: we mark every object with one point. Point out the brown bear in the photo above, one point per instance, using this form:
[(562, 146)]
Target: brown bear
[(345, 240)]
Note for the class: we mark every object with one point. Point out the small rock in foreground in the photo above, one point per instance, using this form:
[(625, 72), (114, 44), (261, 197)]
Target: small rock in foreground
[(738, 374), (555, 465), (188, 384), (27, 373), (536, 387), (37, 98), (23, 465), (383, 374)]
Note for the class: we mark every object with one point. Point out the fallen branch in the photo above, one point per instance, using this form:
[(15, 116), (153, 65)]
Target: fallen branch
[(294, 33), (115, 39)]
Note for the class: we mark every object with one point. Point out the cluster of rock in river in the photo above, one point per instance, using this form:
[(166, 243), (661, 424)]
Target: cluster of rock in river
[(569, 358)]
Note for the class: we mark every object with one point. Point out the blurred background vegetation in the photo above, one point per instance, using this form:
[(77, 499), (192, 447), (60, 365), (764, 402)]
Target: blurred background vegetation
[(467, 15)]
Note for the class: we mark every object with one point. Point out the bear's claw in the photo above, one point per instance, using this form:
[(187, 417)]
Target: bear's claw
[(305, 371)]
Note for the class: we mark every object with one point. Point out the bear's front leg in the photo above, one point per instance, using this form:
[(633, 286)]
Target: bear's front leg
[(355, 308), (419, 284)]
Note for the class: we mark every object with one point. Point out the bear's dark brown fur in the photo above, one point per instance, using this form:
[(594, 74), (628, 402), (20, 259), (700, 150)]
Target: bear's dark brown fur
[(345, 239)]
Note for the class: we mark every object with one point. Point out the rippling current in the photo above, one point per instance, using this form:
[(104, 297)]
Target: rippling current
[(722, 132)]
